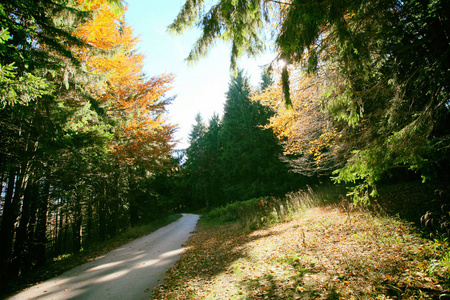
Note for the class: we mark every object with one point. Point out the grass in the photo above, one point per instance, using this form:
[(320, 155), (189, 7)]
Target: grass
[(66, 262), (259, 212), (322, 251)]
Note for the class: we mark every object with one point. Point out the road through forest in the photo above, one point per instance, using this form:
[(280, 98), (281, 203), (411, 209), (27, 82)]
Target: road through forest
[(129, 272)]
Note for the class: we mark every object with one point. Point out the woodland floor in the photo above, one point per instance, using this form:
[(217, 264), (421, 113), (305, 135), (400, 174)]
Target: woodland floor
[(327, 253)]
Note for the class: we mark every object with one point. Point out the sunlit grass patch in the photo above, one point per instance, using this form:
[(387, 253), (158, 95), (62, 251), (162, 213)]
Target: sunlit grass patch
[(259, 212), (62, 257), (324, 253)]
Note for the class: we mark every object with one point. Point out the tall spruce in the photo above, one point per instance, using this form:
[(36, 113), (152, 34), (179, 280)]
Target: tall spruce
[(250, 160), (40, 55), (202, 169), (213, 150), (195, 167)]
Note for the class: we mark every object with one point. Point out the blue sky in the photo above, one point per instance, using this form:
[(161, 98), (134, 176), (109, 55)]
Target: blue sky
[(199, 88)]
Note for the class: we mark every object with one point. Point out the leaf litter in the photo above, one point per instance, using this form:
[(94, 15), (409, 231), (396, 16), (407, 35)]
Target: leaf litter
[(324, 254)]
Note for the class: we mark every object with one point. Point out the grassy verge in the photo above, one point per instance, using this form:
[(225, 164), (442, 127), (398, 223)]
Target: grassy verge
[(66, 262), (259, 212), (324, 252)]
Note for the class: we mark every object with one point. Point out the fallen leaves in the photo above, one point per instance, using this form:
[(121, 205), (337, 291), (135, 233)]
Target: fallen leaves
[(319, 255)]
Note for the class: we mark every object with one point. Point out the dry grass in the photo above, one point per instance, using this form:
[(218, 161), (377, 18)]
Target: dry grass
[(324, 254)]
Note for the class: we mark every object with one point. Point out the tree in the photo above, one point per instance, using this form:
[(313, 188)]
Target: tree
[(76, 109), (23, 89), (386, 69), (305, 131), (237, 22), (250, 159), (213, 150), (195, 168), (37, 55), (235, 158), (138, 103)]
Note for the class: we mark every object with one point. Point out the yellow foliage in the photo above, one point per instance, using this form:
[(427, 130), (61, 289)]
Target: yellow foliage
[(303, 128)]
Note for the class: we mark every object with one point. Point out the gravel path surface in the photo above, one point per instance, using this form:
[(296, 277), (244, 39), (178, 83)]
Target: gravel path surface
[(129, 272)]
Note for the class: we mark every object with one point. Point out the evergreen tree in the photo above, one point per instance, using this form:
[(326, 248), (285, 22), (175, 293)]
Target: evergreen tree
[(202, 168), (194, 167), (39, 53), (385, 65), (59, 126), (251, 165), (212, 152)]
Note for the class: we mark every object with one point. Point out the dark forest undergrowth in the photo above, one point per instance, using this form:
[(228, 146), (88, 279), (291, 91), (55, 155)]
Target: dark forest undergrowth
[(326, 251)]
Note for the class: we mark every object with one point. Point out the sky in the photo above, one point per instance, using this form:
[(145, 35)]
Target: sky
[(199, 88)]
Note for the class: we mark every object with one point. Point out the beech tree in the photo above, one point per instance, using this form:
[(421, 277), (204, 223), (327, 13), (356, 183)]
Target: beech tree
[(306, 133), (137, 102)]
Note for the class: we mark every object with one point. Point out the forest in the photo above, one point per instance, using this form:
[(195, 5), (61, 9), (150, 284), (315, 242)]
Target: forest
[(84, 134), (359, 96)]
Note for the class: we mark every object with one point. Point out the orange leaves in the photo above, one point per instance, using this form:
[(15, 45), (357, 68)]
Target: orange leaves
[(137, 103), (150, 92), (146, 134), (228, 262), (106, 30), (112, 45)]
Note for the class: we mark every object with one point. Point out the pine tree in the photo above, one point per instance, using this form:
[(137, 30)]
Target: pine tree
[(212, 146), (194, 167)]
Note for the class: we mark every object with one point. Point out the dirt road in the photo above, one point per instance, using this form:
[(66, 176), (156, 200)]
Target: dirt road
[(129, 272)]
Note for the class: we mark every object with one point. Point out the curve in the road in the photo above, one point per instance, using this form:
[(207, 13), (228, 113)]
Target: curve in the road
[(129, 272)]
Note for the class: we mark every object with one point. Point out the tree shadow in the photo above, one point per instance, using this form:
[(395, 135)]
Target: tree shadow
[(209, 253), (361, 257), (426, 204)]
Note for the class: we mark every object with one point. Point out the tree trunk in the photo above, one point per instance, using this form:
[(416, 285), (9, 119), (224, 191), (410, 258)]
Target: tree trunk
[(60, 231), (9, 218), (114, 206), (76, 225), (7, 226), (88, 237), (56, 233), (65, 232), (21, 233), (102, 214), (40, 236), (28, 254)]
